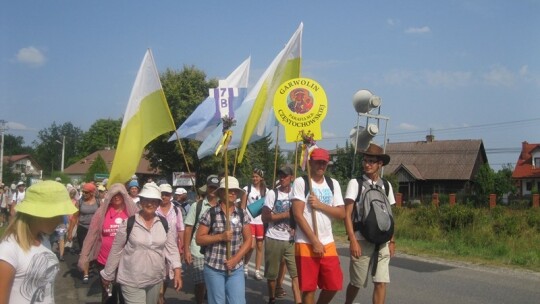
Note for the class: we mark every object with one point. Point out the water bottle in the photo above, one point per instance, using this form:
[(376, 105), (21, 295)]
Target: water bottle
[(109, 290)]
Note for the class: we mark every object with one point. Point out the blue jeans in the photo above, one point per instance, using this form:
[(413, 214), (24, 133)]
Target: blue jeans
[(221, 286)]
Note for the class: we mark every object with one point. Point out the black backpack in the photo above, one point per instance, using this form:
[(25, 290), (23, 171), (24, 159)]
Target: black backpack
[(372, 215), (212, 211), (131, 222), (329, 182)]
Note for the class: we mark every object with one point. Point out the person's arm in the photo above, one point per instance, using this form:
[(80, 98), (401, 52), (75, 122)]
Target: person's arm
[(269, 216), (108, 274), (244, 248), (354, 247), (204, 239), (6, 281), (73, 222), (298, 212), (337, 212), (187, 244)]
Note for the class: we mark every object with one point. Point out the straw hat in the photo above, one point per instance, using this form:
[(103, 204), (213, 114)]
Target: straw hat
[(46, 199), (233, 184), (165, 188)]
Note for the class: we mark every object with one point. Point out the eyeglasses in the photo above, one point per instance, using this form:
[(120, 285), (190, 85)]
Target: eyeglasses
[(166, 194), (370, 161)]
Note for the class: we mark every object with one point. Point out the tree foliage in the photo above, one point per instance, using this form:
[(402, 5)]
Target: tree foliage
[(102, 133), (49, 146), (98, 166), (487, 182), (14, 145), (184, 90)]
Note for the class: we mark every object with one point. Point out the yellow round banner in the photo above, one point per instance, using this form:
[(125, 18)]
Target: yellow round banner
[(300, 104)]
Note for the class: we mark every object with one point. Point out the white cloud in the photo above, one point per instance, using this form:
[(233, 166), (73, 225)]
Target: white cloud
[(390, 22), (448, 78), (328, 134), (31, 56), (418, 30), (499, 75), (17, 126), (524, 71), (407, 126)]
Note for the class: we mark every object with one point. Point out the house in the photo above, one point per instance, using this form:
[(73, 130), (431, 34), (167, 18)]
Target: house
[(78, 170), (426, 167), (527, 170), (23, 165)]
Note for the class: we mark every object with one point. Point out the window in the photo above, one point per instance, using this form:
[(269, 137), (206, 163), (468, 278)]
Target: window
[(537, 162), (528, 186)]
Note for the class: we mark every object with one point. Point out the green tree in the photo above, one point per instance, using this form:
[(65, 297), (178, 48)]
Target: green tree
[(342, 166), (98, 166), (14, 145), (503, 181), (184, 90), (48, 146), (484, 184), (102, 133)]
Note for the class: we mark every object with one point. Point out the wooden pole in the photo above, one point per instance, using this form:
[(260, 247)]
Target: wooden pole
[(275, 158), (185, 160), (313, 211)]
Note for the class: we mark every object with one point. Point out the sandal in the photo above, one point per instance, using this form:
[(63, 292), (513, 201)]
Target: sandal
[(280, 292), (85, 279)]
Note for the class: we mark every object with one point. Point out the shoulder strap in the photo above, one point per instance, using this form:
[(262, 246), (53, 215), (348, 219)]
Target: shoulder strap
[(212, 218), (130, 223), (198, 209), (276, 194), (330, 183), (306, 185), (249, 189), (175, 210), (164, 222), (386, 186), (328, 179)]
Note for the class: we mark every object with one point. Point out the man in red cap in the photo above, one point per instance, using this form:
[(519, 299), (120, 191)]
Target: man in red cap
[(362, 251), (316, 256)]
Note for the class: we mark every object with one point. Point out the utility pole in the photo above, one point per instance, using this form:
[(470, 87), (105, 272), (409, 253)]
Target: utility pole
[(3, 128), (63, 151)]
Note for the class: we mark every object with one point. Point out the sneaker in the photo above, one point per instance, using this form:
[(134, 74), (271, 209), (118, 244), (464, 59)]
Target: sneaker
[(246, 272), (280, 293), (61, 258), (258, 275), (85, 279)]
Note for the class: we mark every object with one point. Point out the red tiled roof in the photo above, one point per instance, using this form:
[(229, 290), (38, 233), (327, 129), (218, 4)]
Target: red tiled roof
[(524, 166), (82, 166)]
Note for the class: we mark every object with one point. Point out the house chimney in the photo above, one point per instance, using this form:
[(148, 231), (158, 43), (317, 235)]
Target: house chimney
[(430, 137)]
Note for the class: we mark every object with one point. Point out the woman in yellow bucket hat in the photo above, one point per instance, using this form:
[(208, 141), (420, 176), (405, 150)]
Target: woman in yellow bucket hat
[(27, 265)]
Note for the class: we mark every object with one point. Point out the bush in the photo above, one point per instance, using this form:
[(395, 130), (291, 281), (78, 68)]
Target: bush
[(457, 217)]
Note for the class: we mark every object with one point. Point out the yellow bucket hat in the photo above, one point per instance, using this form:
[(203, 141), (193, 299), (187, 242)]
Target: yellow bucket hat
[(46, 199)]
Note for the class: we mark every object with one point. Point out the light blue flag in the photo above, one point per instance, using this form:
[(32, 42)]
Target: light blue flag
[(203, 120), (210, 144)]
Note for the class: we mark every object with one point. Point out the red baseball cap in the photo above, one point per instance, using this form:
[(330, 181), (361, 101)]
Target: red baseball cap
[(320, 154)]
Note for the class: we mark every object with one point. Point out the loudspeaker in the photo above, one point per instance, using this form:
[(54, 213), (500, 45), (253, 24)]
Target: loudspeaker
[(361, 137), (364, 101)]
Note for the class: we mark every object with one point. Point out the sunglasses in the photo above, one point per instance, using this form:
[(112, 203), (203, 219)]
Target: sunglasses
[(370, 161)]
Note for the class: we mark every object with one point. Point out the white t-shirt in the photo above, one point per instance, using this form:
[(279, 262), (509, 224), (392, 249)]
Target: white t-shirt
[(18, 197), (35, 272), (279, 230), (253, 196), (352, 194), (324, 223)]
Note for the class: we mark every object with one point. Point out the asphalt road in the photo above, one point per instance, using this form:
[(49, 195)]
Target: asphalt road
[(414, 280)]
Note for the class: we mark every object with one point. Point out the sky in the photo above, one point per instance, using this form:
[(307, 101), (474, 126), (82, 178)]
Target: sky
[(457, 69)]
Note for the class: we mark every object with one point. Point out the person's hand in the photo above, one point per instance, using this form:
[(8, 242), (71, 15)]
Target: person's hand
[(356, 250), (231, 263), (105, 283), (70, 238), (227, 236), (318, 248), (188, 258), (314, 202), (178, 282)]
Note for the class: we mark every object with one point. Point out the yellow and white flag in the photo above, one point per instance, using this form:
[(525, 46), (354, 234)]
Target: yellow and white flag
[(285, 66), (147, 116)]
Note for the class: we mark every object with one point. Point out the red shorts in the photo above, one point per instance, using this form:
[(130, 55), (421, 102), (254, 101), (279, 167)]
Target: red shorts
[(257, 231), (315, 271)]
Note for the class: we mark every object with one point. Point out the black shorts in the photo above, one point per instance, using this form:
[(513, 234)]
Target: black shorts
[(4, 211)]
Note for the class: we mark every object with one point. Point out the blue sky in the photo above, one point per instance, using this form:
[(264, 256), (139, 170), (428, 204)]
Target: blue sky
[(465, 69)]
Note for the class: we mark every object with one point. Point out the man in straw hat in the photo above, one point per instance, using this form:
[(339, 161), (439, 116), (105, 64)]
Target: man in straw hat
[(28, 267), (316, 255), (224, 276), (373, 160)]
